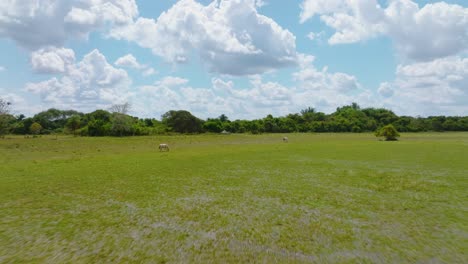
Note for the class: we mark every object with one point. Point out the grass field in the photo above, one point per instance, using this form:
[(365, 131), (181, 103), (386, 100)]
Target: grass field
[(325, 198)]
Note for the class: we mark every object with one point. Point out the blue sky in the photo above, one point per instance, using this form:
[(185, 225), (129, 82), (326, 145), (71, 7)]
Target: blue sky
[(242, 58)]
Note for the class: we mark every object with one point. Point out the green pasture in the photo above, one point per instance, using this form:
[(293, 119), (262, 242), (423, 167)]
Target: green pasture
[(320, 198)]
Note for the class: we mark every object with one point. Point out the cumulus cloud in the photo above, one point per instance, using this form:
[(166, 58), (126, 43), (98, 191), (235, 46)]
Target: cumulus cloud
[(316, 36), (230, 37), (311, 78), (385, 90), (149, 72), (425, 88), (2, 68), (322, 89), (162, 97), (40, 23), (89, 84), (18, 103), (52, 60), (318, 88), (128, 61), (429, 88), (174, 93), (260, 3), (327, 90), (264, 94), (171, 81), (257, 100), (402, 20)]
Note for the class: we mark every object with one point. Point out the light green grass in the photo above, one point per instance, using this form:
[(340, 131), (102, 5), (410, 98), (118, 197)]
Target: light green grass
[(333, 198)]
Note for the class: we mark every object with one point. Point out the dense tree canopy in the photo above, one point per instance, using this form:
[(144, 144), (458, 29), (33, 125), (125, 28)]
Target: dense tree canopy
[(182, 121), (5, 117), (349, 118)]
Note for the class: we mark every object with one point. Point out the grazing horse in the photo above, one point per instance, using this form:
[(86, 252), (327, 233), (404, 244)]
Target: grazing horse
[(285, 139), (163, 147)]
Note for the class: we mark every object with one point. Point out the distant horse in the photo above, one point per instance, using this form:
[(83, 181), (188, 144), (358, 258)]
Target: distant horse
[(285, 139), (163, 147)]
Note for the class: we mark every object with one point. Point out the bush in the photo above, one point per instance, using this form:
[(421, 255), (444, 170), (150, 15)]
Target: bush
[(388, 132), (35, 128)]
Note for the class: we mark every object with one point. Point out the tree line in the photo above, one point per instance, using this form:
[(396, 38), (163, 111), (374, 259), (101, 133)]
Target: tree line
[(117, 122)]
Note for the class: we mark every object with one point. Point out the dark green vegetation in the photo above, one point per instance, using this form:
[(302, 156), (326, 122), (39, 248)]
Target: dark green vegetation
[(388, 132), (321, 198), (349, 118), (5, 118)]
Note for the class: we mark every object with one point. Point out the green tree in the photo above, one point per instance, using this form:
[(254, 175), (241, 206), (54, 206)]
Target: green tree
[(351, 118), (73, 124), (5, 117), (98, 123), (54, 119), (270, 124), (388, 132), (35, 128), (308, 110), (223, 118), (437, 123), (182, 121), (122, 124), (381, 116), (213, 125)]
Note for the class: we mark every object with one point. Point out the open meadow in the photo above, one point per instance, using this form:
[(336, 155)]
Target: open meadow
[(333, 198)]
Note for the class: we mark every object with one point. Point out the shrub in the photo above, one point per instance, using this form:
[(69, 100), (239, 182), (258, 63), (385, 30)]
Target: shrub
[(35, 128), (388, 132)]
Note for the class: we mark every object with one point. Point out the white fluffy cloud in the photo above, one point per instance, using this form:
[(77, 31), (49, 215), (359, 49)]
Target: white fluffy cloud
[(260, 3), (402, 20), (257, 100), (89, 84), (131, 62), (263, 95), (385, 89), (18, 104), (52, 60), (36, 24), (171, 81), (174, 93), (231, 37), (311, 78), (128, 61), (327, 90), (429, 88), (318, 88), (149, 72)]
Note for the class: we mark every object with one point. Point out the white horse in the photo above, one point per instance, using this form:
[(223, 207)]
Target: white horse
[(285, 139), (163, 147)]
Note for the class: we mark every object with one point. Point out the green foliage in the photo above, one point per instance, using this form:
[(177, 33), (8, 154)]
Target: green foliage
[(5, 124), (73, 124), (54, 119), (182, 121), (223, 118), (35, 128), (214, 126), (308, 110), (348, 118), (122, 124), (381, 116), (98, 123), (5, 117), (388, 132)]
